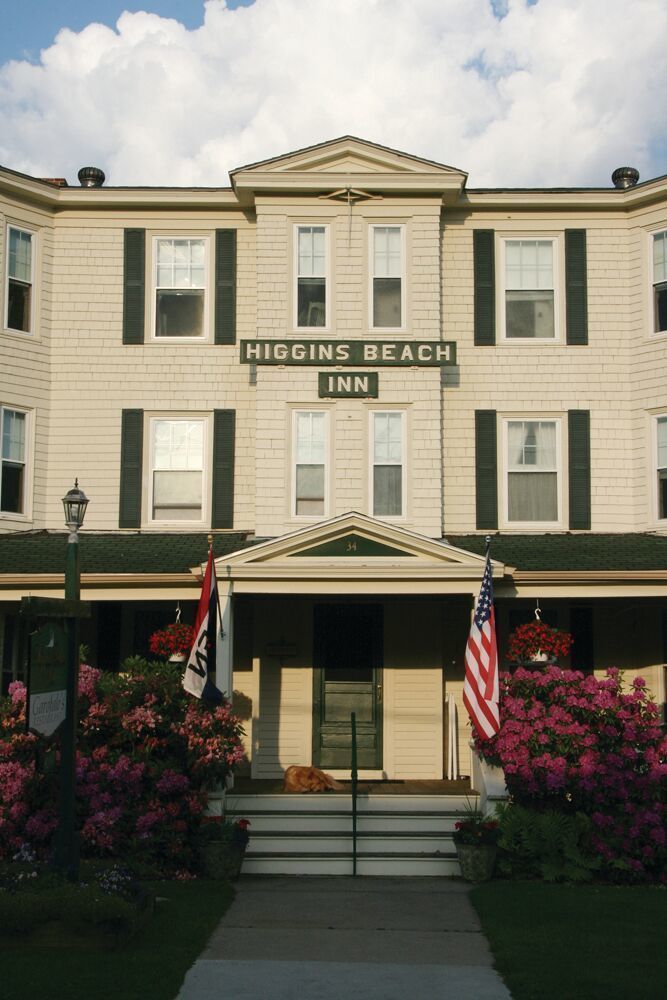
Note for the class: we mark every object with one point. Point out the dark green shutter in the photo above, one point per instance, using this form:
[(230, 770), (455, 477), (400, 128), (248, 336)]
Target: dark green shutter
[(576, 290), (134, 289), (222, 506), (225, 286), (579, 458), (131, 468), (486, 469), (485, 287)]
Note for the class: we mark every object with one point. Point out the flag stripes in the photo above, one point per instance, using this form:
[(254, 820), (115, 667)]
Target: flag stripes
[(480, 687)]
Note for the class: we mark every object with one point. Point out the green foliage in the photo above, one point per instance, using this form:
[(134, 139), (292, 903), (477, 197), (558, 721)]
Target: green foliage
[(550, 845)]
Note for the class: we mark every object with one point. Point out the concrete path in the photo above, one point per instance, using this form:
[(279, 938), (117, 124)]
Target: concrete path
[(312, 938)]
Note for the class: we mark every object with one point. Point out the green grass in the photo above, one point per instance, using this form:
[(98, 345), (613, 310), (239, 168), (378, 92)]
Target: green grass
[(150, 967), (566, 942)]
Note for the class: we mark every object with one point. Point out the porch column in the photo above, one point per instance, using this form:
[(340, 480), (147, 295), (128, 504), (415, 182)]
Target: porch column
[(224, 645)]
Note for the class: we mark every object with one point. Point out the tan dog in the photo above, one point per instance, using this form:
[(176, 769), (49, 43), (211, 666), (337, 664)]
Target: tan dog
[(309, 779)]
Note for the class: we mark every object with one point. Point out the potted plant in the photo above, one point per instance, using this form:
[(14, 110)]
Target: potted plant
[(223, 846), (538, 643), (475, 837), (174, 642)]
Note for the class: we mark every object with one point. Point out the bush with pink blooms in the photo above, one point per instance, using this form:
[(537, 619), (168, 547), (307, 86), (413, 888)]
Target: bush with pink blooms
[(578, 743), (147, 753)]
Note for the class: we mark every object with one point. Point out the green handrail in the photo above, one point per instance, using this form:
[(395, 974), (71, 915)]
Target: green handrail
[(353, 721)]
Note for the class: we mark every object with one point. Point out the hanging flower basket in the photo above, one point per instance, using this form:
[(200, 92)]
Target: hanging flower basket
[(173, 642), (538, 643)]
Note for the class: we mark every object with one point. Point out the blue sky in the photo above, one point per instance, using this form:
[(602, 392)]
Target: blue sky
[(516, 92)]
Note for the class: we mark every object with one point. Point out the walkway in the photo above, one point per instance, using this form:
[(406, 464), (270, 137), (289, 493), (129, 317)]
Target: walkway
[(312, 938)]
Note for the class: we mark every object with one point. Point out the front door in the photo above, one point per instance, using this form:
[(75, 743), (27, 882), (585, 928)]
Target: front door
[(347, 661)]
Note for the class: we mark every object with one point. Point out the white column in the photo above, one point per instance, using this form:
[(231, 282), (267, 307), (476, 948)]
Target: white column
[(224, 647)]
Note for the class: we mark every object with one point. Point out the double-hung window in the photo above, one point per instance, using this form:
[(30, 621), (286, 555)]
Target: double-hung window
[(660, 282), (387, 295), (13, 461), (180, 287), (532, 471), (661, 435), (311, 276), (19, 306), (178, 449), (388, 465), (310, 444), (529, 289)]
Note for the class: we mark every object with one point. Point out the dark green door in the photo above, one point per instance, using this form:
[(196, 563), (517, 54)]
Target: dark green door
[(347, 678)]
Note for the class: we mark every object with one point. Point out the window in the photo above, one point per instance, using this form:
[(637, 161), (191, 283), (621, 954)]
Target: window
[(387, 472), (19, 279), (387, 276), (529, 289), (309, 463), (660, 282), (13, 458), (180, 287), (177, 469), (311, 281), (661, 426), (532, 471)]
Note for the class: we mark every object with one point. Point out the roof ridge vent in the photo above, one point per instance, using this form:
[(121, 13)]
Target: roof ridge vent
[(625, 177), (91, 177)]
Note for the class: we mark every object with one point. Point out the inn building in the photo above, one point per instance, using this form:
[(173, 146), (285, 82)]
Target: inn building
[(348, 368)]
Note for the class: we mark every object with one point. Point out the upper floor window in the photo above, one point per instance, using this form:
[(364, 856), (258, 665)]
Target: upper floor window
[(177, 469), (311, 276), (659, 280), (388, 463), (532, 471), (180, 287), (529, 289), (19, 279), (13, 461), (661, 425), (310, 463), (387, 296)]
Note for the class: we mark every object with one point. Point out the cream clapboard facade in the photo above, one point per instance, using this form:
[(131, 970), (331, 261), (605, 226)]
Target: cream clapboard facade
[(83, 378)]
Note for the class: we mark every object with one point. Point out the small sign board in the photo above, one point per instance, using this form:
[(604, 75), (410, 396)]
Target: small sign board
[(47, 684), (350, 384)]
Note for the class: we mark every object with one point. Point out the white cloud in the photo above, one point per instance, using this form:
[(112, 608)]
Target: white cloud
[(554, 93)]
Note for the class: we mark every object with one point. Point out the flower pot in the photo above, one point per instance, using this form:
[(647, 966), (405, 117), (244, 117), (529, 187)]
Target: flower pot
[(220, 860), (178, 657), (476, 861)]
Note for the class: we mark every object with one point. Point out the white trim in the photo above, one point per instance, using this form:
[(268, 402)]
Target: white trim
[(293, 463), (661, 522), (205, 335), (651, 284), (372, 226), (150, 420), (28, 464), (373, 412), (504, 471), (557, 250), (33, 297), (317, 224)]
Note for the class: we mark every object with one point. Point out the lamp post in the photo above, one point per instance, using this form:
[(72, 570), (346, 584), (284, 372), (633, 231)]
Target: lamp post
[(67, 845)]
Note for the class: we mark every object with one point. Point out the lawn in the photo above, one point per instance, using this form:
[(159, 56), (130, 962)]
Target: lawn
[(565, 942), (150, 967)]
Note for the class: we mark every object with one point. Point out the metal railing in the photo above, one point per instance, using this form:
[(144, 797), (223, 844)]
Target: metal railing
[(354, 777)]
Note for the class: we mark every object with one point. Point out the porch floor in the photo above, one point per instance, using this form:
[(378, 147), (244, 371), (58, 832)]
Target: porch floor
[(274, 786)]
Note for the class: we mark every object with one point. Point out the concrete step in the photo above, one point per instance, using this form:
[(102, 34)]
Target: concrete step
[(342, 802), (341, 822), (303, 843), (341, 864)]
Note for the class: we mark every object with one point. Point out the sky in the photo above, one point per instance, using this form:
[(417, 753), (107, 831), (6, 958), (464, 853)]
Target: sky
[(518, 93)]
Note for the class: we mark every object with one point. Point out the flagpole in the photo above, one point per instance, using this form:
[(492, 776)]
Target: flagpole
[(210, 549)]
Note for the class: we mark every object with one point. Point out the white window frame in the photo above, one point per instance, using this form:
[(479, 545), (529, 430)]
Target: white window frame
[(371, 274), (205, 419), (26, 513), (33, 292), (652, 283), (298, 226), (506, 471), (373, 414), (556, 249), (327, 463), (655, 467), (205, 335)]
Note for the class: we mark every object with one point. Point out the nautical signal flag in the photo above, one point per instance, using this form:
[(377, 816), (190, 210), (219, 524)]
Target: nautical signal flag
[(480, 687), (201, 661)]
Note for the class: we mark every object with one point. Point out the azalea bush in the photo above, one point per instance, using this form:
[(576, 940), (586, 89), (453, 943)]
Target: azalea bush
[(527, 641), (578, 743), (147, 753)]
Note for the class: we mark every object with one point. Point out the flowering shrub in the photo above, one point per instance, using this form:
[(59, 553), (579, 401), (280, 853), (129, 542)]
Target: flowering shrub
[(527, 641), (147, 752), (175, 638), (579, 743)]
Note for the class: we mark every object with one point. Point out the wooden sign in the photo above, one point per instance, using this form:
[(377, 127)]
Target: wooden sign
[(47, 680), (349, 353), (350, 384)]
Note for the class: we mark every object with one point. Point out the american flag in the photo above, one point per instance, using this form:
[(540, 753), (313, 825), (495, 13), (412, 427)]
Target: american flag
[(480, 688), (201, 661)]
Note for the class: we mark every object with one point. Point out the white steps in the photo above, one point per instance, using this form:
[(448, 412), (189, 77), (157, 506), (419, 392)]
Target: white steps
[(312, 834)]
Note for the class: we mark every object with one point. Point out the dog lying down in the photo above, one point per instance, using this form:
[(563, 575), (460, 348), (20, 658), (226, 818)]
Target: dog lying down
[(309, 779)]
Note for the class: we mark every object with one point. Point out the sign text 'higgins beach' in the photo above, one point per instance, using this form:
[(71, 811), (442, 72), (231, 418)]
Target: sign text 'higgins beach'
[(376, 353)]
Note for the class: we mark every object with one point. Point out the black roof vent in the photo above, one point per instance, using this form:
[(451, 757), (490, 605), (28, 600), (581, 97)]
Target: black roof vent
[(91, 177), (625, 177)]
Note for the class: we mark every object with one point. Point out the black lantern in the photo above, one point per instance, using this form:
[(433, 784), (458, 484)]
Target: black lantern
[(75, 502)]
